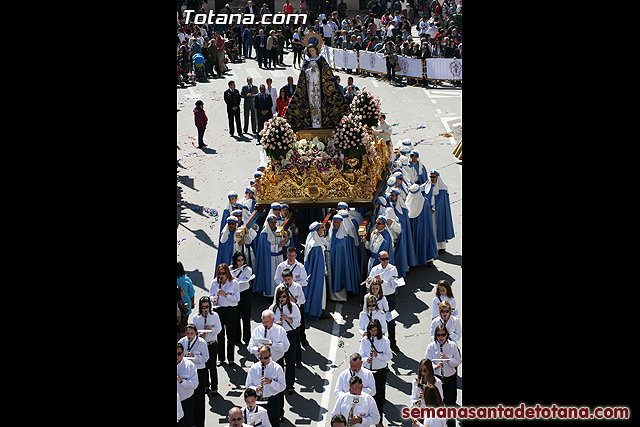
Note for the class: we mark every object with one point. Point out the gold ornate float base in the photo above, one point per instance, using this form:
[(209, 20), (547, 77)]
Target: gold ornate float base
[(353, 186)]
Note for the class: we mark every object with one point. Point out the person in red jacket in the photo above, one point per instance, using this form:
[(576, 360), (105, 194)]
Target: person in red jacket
[(201, 122), (287, 8)]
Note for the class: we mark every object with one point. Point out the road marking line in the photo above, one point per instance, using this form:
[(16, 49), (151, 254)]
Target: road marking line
[(333, 350)]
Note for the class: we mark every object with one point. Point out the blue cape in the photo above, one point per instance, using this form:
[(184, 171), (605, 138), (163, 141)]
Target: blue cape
[(444, 222), (313, 291), (225, 252), (424, 241), (264, 275), (343, 271)]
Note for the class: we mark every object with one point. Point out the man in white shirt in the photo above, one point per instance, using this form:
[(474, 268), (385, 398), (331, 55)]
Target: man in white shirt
[(365, 411), (327, 32), (294, 289), (388, 273), (272, 332), (197, 351), (355, 368), (187, 383), (450, 321), (266, 377)]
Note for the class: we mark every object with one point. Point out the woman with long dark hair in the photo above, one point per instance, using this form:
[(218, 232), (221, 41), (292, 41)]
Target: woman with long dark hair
[(375, 350), (242, 272), (225, 294), (287, 315)]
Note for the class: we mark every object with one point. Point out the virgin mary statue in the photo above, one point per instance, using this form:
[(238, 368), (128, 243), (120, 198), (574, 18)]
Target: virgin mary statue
[(317, 102)]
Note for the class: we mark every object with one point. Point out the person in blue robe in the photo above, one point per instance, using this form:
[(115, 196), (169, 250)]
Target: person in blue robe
[(419, 174), (405, 240), (268, 256), (379, 240), (353, 247), (233, 198), (315, 292), (293, 229), (225, 245), (437, 195), (419, 212), (341, 262)]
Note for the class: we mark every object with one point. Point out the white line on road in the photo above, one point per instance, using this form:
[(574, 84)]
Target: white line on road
[(333, 349), (375, 83), (253, 73)]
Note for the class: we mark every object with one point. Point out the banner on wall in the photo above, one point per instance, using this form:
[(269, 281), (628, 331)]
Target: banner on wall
[(345, 58), (409, 67), (444, 69), (371, 61)]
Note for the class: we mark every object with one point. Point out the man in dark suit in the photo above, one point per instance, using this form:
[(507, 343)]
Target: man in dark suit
[(350, 95), (248, 93), (264, 104), (260, 44), (232, 99), (289, 88), (253, 10)]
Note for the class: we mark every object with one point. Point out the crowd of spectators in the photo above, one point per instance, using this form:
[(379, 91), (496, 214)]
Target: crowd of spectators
[(388, 27)]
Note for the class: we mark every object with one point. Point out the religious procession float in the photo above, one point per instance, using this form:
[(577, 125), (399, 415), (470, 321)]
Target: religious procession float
[(323, 151)]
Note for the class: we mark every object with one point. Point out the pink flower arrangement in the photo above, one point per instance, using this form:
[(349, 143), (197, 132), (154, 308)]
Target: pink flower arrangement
[(367, 107), (351, 136), (277, 137)]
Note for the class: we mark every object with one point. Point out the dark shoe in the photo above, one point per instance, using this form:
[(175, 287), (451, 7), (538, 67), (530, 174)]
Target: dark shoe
[(290, 391)]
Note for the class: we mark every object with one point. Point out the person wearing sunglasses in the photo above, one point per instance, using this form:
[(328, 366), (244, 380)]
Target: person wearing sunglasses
[(187, 382), (288, 316), (370, 312), (266, 377), (296, 295), (224, 292), (268, 256), (242, 272), (387, 273), (208, 320), (425, 376), (375, 349), (379, 240), (445, 357), (449, 320)]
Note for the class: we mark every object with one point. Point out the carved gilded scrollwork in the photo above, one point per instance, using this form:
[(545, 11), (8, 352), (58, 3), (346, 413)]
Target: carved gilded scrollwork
[(355, 185)]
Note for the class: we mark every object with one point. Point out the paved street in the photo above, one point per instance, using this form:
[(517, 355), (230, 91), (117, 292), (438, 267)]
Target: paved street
[(228, 163)]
